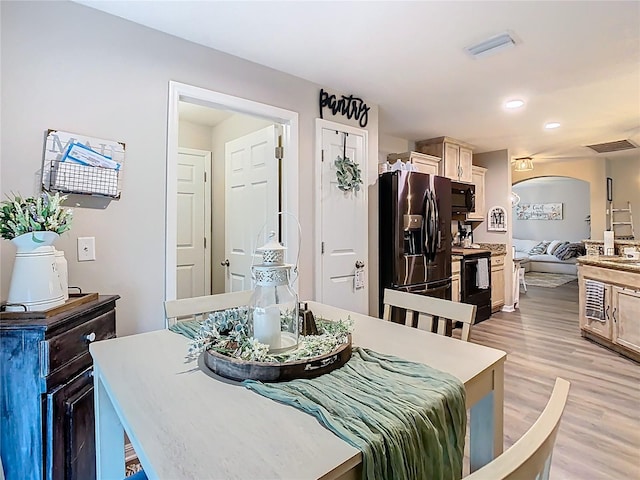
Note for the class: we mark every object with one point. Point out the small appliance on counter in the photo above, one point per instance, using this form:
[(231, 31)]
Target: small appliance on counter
[(475, 279)]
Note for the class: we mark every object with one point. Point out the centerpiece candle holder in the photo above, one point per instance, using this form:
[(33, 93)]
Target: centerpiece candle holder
[(273, 307)]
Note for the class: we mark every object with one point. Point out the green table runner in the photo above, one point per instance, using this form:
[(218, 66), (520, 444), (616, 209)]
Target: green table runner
[(407, 419)]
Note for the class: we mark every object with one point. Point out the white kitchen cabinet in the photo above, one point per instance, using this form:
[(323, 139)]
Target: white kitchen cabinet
[(497, 283), (424, 163), (620, 328), (457, 157), (626, 318), (455, 279), (480, 210)]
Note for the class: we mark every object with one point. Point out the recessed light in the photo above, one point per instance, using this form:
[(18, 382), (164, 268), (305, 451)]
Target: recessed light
[(514, 103), (551, 125)]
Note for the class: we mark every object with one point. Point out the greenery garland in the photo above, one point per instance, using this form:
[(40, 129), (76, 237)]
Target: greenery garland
[(227, 332), (348, 173)]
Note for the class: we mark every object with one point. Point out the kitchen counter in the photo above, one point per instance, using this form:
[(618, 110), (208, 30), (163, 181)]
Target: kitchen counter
[(462, 252), (596, 247), (611, 262), (495, 248)]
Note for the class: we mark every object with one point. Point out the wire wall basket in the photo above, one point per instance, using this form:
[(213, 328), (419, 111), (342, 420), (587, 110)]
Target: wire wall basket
[(68, 177), (78, 164)]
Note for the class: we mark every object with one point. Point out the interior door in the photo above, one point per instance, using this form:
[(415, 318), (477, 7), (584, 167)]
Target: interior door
[(343, 224), (251, 201), (193, 273)]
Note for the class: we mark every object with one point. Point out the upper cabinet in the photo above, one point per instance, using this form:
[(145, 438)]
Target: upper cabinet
[(480, 210), (456, 157), (423, 163)]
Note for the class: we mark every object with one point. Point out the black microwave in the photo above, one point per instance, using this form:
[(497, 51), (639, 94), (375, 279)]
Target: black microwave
[(463, 197)]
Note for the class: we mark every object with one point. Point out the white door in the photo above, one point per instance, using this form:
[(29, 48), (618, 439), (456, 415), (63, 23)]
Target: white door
[(251, 199), (343, 226), (193, 273)]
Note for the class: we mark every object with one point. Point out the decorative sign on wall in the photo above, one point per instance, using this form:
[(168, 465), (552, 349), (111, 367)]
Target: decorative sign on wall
[(539, 211), (348, 106), (497, 219)]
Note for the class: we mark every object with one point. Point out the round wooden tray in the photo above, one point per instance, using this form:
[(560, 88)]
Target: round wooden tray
[(236, 369)]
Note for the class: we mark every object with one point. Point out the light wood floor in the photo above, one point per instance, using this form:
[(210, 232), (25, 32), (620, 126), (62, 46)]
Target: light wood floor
[(599, 436)]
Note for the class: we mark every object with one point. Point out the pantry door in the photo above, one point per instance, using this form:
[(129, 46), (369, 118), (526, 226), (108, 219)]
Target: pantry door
[(341, 220), (251, 201)]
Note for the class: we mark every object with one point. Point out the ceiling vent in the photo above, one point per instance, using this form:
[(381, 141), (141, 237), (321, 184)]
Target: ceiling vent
[(491, 45), (609, 147)]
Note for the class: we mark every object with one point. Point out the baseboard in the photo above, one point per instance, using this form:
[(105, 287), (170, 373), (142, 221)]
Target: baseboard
[(508, 308)]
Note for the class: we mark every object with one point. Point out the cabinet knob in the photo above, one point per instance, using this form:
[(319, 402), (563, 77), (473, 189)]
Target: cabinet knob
[(225, 263), (90, 337)]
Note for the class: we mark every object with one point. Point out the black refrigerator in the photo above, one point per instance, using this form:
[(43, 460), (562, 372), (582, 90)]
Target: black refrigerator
[(415, 234)]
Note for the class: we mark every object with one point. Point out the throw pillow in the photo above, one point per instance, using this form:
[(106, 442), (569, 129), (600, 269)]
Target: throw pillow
[(570, 250), (553, 245), (540, 248), (561, 249)]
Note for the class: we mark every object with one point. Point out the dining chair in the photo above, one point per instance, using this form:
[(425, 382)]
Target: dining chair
[(530, 457), (195, 308), (434, 310)]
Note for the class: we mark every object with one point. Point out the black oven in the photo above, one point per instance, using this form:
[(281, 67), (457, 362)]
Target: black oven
[(475, 282), (463, 197)]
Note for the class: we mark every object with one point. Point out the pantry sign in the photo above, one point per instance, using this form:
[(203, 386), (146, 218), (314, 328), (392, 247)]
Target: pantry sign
[(346, 105)]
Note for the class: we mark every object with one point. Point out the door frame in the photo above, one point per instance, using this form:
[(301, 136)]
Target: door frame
[(328, 124), (188, 93), (207, 212)]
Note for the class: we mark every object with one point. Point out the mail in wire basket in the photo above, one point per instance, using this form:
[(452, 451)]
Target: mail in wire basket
[(82, 165)]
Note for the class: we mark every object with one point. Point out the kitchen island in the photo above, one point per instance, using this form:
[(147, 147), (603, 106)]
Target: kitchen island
[(618, 325)]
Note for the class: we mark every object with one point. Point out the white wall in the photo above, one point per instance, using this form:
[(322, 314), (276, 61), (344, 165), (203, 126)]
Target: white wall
[(193, 135), (571, 193), (389, 144), (626, 188), (497, 193), (593, 171), (69, 67)]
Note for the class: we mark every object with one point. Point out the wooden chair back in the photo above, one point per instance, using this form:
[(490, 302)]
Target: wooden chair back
[(530, 457), (435, 311), (198, 307)]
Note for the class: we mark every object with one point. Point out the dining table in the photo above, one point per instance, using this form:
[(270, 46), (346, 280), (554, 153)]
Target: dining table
[(185, 422)]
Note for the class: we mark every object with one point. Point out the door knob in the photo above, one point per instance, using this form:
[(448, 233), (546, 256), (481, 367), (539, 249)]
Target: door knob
[(225, 263), (359, 264)]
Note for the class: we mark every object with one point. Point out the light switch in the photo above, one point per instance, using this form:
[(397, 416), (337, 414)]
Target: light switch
[(86, 249)]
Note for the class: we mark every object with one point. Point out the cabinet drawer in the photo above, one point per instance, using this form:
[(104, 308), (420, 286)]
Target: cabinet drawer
[(75, 342), (497, 260)]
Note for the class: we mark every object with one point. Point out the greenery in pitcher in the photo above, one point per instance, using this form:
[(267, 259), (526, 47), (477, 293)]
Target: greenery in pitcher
[(43, 213)]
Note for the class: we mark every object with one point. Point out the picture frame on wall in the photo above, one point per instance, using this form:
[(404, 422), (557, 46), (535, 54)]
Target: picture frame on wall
[(497, 219)]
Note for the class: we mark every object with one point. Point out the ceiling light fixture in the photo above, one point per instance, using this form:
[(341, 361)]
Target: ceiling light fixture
[(551, 125), (491, 45), (523, 164), (514, 104)]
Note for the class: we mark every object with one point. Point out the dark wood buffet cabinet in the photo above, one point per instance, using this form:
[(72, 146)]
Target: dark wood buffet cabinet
[(47, 426)]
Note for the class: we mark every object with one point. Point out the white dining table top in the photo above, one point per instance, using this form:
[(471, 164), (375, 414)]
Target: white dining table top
[(186, 423)]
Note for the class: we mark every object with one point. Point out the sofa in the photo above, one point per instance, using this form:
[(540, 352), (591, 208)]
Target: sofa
[(554, 256)]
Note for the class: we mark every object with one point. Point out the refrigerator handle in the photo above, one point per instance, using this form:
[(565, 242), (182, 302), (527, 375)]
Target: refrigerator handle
[(427, 226), (436, 226)]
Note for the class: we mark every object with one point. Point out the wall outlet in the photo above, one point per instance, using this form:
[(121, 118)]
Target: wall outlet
[(86, 249)]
